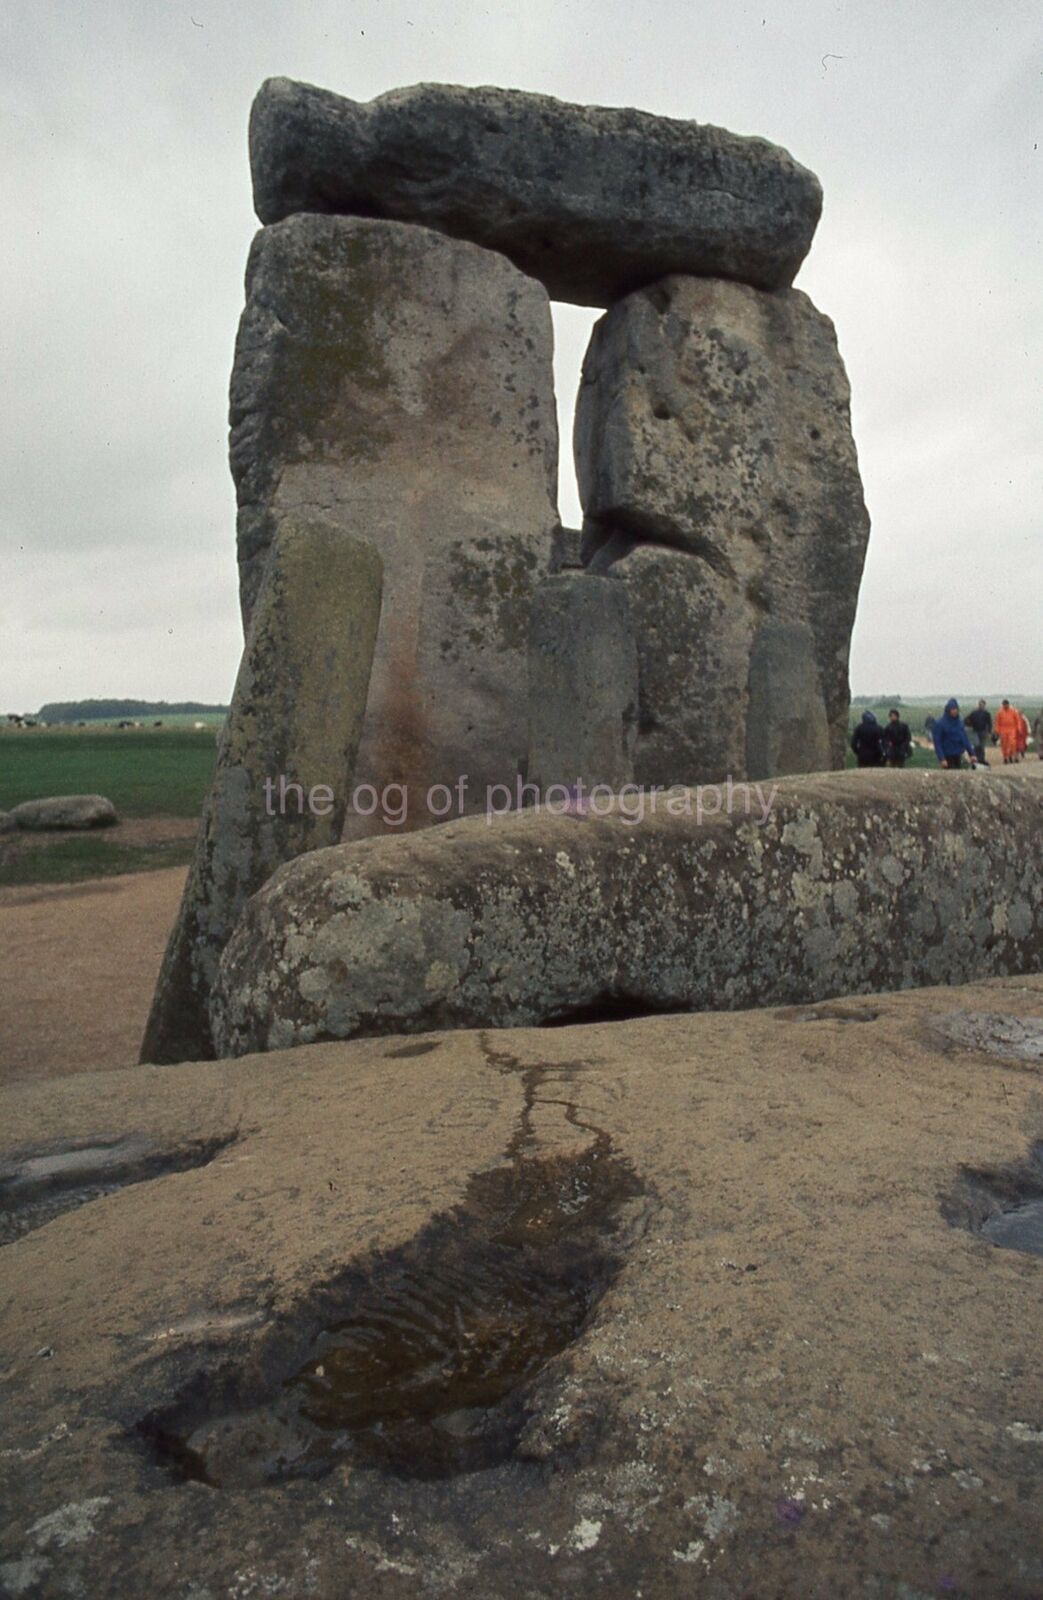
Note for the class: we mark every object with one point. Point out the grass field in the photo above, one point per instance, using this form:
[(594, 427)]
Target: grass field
[(71, 860), (145, 772)]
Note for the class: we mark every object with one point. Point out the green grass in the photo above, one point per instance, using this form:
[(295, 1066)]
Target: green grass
[(145, 772), (919, 758), (73, 860)]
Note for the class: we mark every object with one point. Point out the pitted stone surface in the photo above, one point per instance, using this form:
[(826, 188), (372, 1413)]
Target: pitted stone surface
[(802, 1382), (715, 419), (285, 760), (829, 885), (595, 201), (399, 385)]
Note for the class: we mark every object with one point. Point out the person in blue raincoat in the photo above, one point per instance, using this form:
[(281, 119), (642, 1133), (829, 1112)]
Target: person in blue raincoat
[(951, 739)]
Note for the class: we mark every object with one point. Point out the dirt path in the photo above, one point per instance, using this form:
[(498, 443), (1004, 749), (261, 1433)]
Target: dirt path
[(79, 963)]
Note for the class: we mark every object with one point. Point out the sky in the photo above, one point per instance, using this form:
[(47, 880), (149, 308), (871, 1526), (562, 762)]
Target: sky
[(127, 217)]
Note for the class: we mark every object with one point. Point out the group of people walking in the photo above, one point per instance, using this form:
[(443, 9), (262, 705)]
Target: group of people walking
[(954, 737)]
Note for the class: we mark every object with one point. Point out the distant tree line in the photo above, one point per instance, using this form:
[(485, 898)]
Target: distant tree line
[(110, 710)]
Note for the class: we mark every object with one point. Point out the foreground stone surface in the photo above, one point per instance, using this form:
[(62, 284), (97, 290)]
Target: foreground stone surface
[(847, 882), (65, 811), (592, 200), (802, 1380), (296, 714), (399, 385), (8, 823), (715, 419)]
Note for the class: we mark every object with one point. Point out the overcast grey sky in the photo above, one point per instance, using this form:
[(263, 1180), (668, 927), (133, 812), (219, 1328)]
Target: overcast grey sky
[(127, 219)]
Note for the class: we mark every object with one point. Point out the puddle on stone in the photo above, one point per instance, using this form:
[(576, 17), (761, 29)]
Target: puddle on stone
[(40, 1184), (1019, 1229), (1004, 1206), (418, 1366), (1014, 1039)]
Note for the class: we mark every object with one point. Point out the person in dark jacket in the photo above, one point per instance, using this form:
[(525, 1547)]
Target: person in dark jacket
[(951, 739), (980, 723), (898, 742), (867, 741)]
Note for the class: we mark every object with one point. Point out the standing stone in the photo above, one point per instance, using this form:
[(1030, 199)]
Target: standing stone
[(786, 727), (296, 715), (714, 419), (693, 647), (593, 200), (399, 384), (582, 683)]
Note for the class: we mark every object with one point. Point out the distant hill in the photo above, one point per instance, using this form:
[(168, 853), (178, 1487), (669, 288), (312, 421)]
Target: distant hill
[(112, 710)]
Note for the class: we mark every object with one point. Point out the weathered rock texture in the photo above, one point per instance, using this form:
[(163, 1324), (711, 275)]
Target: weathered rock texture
[(65, 811), (285, 761), (693, 651), (582, 683), (714, 419), (400, 384), (802, 1382), (593, 201), (786, 727), (8, 823), (854, 882)]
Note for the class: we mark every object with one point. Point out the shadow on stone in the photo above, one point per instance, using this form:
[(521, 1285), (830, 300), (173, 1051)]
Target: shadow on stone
[(1004, 1205), (417, 1364), (39, 1184), (607, 1008)]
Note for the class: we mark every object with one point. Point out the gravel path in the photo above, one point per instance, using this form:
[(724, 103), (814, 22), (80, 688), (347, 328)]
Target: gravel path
[(79, 963)]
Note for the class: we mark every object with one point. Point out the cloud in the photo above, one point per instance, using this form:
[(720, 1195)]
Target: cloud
[(128, 219)]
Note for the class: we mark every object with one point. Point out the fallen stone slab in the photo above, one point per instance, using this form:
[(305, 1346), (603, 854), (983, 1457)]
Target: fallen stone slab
[(325, 1344), (715, 419), (718, 897), (399, 385), (285, 761), (594, 201), (65, 811)]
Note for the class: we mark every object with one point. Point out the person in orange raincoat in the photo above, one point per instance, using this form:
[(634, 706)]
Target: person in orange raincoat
[(1008, 726), (1023, 734)]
